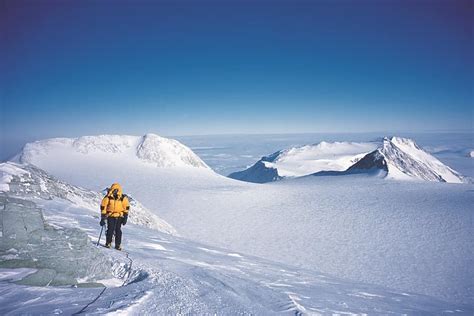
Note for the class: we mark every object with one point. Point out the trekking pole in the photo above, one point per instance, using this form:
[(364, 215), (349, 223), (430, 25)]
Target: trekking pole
[(102, 228)]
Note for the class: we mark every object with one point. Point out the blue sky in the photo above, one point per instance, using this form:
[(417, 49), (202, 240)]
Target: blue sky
[(70, 68)]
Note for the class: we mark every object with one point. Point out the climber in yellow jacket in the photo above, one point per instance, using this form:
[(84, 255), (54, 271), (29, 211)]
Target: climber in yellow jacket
[(114, 208)]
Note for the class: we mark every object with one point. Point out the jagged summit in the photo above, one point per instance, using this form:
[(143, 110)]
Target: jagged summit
[(160, 151), (402, 158)]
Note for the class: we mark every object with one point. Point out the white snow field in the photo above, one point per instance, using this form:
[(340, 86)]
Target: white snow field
[(400, 158), (158, 273), (409, 236)]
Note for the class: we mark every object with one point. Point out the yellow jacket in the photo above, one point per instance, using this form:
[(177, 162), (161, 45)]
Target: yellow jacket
[(115, 205)]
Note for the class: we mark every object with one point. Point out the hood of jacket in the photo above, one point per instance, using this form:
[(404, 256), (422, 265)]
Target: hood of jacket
[(114, 187)]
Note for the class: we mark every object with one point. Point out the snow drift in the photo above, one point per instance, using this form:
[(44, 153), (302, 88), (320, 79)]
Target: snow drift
[(399, 158)]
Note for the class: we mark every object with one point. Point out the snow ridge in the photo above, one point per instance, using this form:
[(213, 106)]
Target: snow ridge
[(28, 180)]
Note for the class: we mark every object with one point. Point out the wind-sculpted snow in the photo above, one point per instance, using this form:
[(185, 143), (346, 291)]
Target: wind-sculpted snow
[(58, 256), (159, 151), (30, 181), (162, 274)]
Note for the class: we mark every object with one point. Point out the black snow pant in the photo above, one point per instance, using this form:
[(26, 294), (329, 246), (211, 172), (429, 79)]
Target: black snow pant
[(114, 223)]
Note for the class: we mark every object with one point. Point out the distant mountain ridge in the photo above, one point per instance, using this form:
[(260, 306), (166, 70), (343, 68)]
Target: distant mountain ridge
[(399, 158), (159, 151), (305, 160)]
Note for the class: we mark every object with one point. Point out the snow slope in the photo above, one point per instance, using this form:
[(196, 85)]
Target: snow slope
[(163, 274), (408, 236), (301, 161)]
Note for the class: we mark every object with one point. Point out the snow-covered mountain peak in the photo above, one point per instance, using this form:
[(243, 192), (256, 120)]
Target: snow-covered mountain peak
[(405, 144), (150, 148), (403, 159), (399, 158)]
